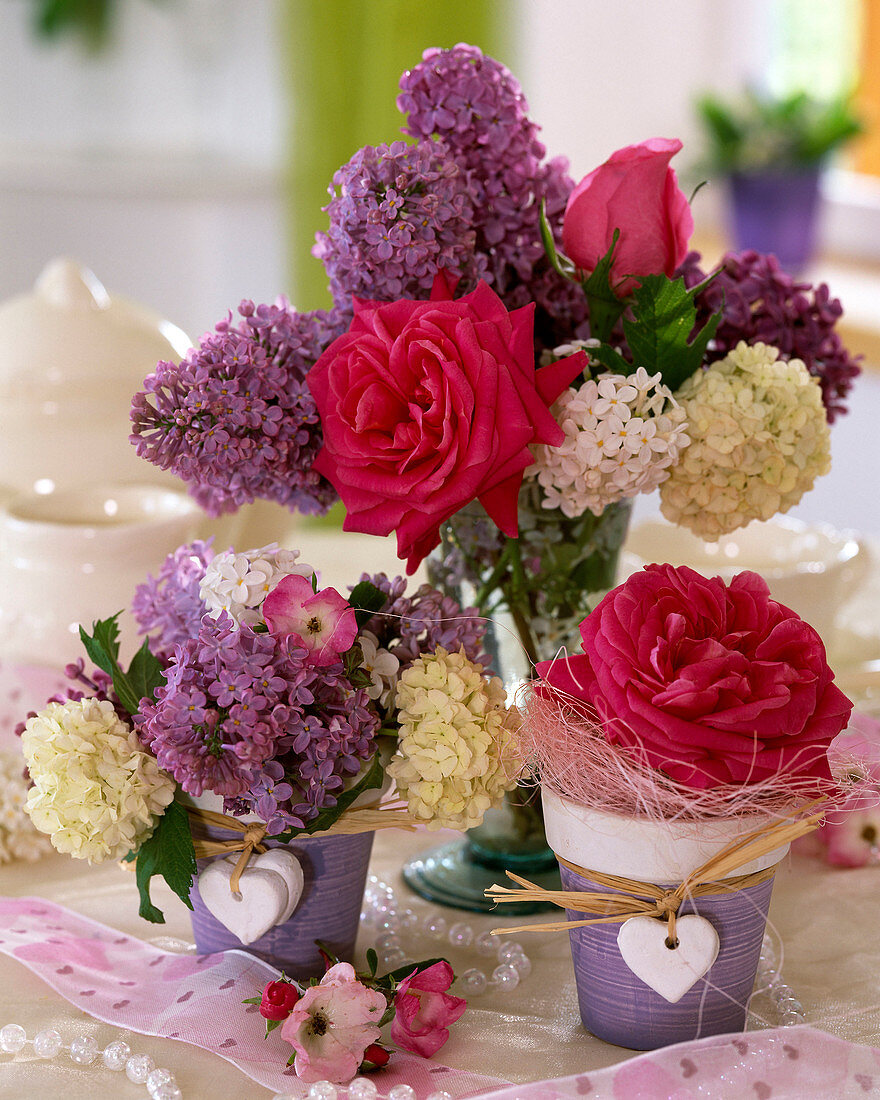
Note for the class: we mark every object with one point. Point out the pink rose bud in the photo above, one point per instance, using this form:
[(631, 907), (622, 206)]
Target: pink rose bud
[(636, 192), (278, 1000), (424, 1009)]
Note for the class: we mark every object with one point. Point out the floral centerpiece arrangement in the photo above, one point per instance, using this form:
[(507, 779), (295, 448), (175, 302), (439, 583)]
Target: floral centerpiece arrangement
[(680, 753), (508, 360), (291, 708)]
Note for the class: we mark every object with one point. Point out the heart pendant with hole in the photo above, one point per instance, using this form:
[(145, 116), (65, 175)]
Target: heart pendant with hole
[(669, 971), (270, 888)]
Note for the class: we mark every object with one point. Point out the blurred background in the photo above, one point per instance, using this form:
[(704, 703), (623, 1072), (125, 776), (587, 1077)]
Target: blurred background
[(181, 149)]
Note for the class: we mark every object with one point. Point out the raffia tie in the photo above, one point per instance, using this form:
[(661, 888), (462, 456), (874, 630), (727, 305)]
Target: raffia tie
[(633, 898), (249, 838)]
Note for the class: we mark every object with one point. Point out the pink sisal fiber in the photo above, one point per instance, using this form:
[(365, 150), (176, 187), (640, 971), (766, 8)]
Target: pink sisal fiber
[(569, 752)]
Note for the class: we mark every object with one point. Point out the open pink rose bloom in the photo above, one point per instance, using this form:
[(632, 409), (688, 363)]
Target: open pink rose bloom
[(428, 406), (711, 683)]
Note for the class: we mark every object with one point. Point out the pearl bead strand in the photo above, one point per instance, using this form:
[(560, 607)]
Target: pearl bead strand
[(85, 1050), (789, 1010), (382, 913), (361, 1088)]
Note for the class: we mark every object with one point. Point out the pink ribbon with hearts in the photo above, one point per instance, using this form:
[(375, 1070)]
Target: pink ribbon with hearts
[(192, 998)]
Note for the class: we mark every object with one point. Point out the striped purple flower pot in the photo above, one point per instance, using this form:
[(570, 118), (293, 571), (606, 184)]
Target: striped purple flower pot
[(615, 1004), (334, 873)]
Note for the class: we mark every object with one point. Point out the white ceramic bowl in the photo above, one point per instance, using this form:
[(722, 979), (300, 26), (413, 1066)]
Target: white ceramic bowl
[(812, 569)]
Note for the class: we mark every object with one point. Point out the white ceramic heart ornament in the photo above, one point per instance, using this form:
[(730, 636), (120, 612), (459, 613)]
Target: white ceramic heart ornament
[(669, 971), (270, 888)]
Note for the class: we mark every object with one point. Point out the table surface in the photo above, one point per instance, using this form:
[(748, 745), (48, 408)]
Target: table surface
[(826, 920)]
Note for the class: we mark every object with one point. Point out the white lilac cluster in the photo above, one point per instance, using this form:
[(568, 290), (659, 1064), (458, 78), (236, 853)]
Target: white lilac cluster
[(95, 791), (18, 838), (622, 435), (238, 583), (760, 441)]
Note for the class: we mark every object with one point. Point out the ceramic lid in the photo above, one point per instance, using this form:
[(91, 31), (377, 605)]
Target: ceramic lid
[(71, 358)]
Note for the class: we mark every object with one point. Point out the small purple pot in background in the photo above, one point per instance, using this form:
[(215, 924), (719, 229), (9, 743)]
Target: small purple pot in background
[(615, 1004), (776, 211)]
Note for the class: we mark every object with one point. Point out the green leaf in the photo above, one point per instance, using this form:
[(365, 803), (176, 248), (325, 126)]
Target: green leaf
[(169, 853), (372, 961), (372, 779), (391, 979), (562, 265), (102, 645), (605, 307), (270, 1027), (658, 331), (611, 359), (366, 599), (145, 673)]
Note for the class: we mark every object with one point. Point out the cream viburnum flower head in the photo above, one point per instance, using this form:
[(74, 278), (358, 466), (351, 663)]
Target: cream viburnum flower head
[(622, 434), (18, 838), (238, 583), (96, 792), (759, 439), (456, 753)]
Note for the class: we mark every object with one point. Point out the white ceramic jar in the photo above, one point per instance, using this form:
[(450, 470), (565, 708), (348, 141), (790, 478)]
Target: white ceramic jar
[(71, 358)]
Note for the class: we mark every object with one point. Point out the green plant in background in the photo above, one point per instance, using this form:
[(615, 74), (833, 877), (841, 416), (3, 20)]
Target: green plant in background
[(92, 20), (761, 132)]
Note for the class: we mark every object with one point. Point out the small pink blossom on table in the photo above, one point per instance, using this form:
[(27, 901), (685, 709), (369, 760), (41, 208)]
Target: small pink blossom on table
[(332, 1026), (851, 834), (278, 1000), (424, 1009), (323, 621)]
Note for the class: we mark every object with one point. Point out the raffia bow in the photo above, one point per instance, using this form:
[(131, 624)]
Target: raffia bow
[(249, 838), (634, 898)]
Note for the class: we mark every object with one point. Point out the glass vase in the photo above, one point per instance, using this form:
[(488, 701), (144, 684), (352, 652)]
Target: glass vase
[(535, 591)]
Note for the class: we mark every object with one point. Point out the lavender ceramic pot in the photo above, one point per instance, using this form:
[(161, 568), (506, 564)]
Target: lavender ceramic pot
[(615, 1004), (334, 874)]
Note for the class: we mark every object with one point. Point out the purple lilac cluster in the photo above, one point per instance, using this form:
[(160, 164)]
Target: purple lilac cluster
[(246, 716), (410, 626), (398, 214), (476, 107), (236, 420), (760, 302), (168, 607)]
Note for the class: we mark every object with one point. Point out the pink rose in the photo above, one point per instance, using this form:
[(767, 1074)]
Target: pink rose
[(427, 406), (714, 683), (278, 1000), (332, 1026), (424, 1010), (323, 621), (636, 192)]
